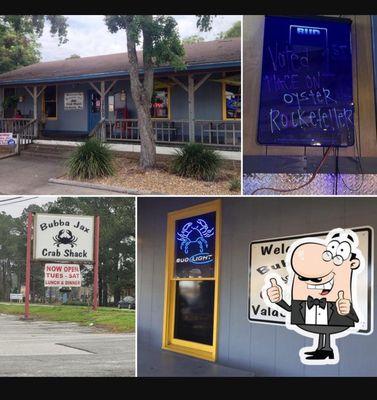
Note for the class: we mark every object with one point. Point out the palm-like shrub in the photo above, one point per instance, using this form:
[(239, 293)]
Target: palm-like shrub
[(91, 159), (194, 160)]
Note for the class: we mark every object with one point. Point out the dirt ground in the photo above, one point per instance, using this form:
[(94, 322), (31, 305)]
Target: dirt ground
[(160, 180)]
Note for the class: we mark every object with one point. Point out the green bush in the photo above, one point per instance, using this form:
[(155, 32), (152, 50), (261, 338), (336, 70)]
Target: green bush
[(92, 159), (235, 185), (194, 160)]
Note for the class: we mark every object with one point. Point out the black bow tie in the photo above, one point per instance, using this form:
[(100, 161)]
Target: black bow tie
[(316, 302)]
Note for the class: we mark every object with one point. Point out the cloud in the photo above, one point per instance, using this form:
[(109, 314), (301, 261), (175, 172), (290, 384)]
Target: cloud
[(88, 35)]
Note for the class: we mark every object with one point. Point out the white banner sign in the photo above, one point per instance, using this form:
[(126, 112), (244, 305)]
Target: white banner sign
[(16, 296), (59, 275), (6, 139), (268, 256), (74, 101), (63, 237)]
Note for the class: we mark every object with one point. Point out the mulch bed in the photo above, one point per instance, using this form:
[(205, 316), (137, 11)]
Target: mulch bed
[(130, 176)]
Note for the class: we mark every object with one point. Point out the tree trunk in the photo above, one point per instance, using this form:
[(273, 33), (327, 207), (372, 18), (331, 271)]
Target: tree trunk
[(141, 95), (147, 142)]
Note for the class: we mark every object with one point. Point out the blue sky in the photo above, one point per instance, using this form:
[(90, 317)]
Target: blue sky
[(88, 35)]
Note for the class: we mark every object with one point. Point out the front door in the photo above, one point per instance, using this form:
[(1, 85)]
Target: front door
[(9, 110), (94, 109)]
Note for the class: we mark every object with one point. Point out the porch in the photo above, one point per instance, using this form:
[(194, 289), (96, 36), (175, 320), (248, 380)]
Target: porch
[(224, 135), (91, 96)]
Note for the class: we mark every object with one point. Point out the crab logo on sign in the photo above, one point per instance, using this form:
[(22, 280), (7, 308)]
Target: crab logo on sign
[(65, 237)]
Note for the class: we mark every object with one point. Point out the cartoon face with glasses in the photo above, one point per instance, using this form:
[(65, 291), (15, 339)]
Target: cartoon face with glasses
[(321, 291)]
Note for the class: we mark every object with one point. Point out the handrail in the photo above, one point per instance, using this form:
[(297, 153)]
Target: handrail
[(16, 119), (22, 128), (96, 127), (22, 133)]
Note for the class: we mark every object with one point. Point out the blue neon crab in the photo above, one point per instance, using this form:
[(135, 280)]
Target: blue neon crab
[(191, 234)]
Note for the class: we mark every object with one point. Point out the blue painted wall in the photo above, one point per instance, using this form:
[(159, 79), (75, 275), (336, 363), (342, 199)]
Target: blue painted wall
[(264, 349), (208, 104)]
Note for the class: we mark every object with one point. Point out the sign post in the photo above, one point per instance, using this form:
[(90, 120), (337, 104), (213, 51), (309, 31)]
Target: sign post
[(28, 264), (95, 265)]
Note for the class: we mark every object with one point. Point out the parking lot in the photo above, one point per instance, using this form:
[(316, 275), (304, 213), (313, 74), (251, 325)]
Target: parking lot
[(51, 349)]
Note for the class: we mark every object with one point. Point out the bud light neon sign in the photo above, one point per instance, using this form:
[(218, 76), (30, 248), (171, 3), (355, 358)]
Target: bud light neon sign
[(306, 96), (195, 246)]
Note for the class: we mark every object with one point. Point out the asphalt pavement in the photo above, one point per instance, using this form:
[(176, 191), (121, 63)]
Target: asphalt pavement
[(59, 349)]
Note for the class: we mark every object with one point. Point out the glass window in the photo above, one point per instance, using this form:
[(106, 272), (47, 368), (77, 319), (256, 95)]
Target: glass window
[(192, 273), (160, 103), (232, 101), (194, 311), (50, 102)]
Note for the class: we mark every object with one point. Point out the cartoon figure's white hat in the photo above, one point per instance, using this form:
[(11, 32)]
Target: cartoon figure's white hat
[(343, 235)]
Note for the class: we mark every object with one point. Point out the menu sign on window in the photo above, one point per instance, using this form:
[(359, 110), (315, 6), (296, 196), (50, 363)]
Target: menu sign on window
[(195, 240), (74, 101), (306, 85)]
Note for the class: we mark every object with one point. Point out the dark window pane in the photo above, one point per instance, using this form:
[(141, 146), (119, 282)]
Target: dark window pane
[(194, 311), (195, 244), (50, 109), (50, 93)]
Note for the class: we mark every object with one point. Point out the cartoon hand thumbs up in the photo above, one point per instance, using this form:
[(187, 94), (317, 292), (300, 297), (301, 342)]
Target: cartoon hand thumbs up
[(274, 293), (273, 282), (343, 305)]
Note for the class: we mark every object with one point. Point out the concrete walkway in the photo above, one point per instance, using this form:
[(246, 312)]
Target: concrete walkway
[(154, 362), (27, 174), (51, 349)]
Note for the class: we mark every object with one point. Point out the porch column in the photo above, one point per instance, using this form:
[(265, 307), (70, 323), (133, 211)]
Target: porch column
[(35, 110), (1, 102), (35, 94), (103, 92), (191, 88), (103, 111), (191, 107)]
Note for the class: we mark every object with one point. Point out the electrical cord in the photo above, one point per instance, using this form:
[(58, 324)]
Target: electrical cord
[(304, 184)]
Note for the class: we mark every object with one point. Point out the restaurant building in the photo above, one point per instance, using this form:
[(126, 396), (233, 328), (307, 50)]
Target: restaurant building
[(208, 318), (324, 97), (75, 98)]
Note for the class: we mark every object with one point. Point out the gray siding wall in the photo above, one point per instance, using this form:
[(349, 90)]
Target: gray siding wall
[(70, 120), (208, 104), (264, 349)]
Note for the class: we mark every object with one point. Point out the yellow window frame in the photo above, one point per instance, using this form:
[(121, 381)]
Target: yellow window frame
[(169, 105), (56, 102), (199, 350), (225, 118)]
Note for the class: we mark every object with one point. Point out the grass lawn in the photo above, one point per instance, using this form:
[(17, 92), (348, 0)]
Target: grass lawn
[(112, 319)]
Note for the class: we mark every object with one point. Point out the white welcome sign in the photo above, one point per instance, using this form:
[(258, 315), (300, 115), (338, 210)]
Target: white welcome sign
[(268, 256), (63, 237)]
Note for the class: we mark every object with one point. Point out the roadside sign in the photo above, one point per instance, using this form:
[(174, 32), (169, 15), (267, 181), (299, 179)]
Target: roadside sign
[(15, 296), (63, 237), (6, 139), (59, 275)]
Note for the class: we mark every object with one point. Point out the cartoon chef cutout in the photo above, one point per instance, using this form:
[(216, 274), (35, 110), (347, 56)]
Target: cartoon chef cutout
[(322, 292)]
